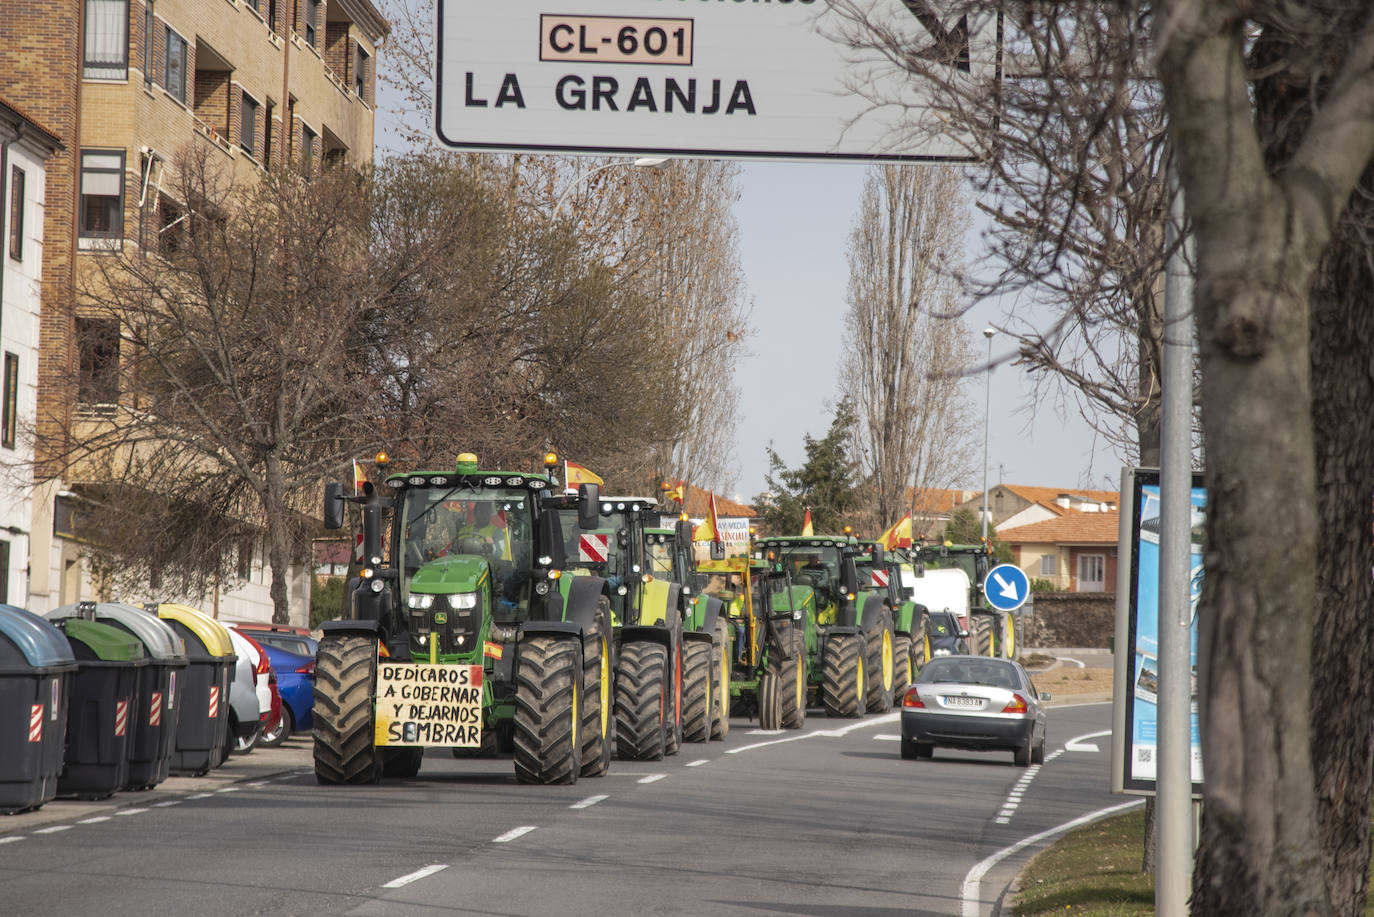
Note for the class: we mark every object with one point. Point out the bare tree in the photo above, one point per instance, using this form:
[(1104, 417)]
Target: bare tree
[(905, 353)]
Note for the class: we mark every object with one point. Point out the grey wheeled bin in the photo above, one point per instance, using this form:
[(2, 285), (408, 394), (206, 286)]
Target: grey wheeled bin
[(36, 670), (203, 695), (104, 697), (154, 724)]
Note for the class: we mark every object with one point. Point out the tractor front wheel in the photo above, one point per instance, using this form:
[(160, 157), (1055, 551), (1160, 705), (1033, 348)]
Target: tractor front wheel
[(842, 672), (720, 679), (548, 697), (640, 701), (696, 691), (902, 672), (345, 670), (597, 678), (881, 666), (782, 689), (982, 635)]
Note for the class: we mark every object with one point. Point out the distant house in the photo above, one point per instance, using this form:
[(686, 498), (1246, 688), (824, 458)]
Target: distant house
[(1019, 504), (1074, 550)]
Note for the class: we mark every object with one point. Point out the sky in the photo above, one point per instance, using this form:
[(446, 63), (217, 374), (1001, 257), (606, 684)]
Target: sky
[(794, 222)]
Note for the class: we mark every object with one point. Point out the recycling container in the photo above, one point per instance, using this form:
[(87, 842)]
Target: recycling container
[(155, 721), (100, 715), (203, 721), (36, 670)]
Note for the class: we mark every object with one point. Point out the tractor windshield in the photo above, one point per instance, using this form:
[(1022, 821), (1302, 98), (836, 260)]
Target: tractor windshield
[(489, 523), (658, 557)]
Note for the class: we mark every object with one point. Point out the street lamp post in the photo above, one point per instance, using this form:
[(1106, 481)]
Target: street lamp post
[(987, 412), (643, 162)]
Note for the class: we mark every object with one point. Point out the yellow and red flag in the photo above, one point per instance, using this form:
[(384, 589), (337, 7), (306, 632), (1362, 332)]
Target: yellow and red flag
[(676, 494), (359, 478), (575, 474), (899, 536), (708, 530), (806, 523)]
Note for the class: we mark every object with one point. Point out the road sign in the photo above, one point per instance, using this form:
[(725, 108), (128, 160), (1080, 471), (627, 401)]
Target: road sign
[(1006, 587), (758, 80)]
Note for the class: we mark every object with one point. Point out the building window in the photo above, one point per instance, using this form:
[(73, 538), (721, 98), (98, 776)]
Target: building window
[(1049, 565), (1092, 573), (107, 40), (149, 58), (360, 74), (174, 67), (17, 213), (248, 125), (5, 572), (308, 138), (97, 340), (102, 195), (10, 410), (312, 14), (267, 135)]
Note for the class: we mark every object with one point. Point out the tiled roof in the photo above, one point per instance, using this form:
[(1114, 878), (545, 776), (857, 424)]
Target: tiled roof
[(937, 500), (1048, 495), (1070, 528), (698, 503), (57, 141)]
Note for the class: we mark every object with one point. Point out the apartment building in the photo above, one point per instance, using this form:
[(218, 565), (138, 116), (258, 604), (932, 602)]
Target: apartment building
[(129, 85)]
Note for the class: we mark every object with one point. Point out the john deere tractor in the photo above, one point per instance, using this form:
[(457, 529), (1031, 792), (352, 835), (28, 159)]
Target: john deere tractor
[(461, 630), (879, 573), (771, 638), (853, 658), (993, 631)]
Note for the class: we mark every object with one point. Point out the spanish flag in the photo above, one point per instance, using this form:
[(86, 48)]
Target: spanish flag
[(575, 474), (708, 530), (899, 536), (806, 523), (359, 478), (676, 494)]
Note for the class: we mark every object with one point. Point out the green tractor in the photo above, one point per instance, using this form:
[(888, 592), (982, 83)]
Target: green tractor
[(668, 556), (993, 632), (853, 657), (461, 630), (771, 637), (880, 573)]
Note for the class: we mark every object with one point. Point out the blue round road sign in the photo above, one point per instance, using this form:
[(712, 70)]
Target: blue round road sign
[(1006, 587)]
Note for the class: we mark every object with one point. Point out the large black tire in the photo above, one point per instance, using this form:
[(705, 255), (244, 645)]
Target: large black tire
[(641, 701), (721, 658), (902, 672), (881, 665), (1006, 645), (672, 724), (842, 676), (696, 691), (981, 625), (274, 738), (920, 647), (402, 762), (598, 678), (782, 689), (908, 748), (548, 698), (345, 674), (1021, 757)]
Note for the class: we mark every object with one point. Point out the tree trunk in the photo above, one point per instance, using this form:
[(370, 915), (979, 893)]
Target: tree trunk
[(278, 540)]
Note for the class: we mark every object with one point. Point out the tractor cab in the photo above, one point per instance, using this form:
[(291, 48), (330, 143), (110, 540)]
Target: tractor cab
[(826, 564)]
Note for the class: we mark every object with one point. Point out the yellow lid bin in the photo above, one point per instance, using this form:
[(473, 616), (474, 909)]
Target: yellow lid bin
[(203, 727)]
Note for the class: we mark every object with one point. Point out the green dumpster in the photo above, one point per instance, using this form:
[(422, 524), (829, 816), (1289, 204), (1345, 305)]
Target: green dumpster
[(100, 715), (36, 669)]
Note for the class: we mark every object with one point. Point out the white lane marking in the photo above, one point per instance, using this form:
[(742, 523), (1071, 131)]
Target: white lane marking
[(200, 796), (970, 890), (588, 802), (257, 784), (416, 875), (698, 762), (94, 821), (53, 830), (10, 840), (1073, 660), (765, 732), (163, 805), (888, 737), (1086, 703), (514, 833), (652, 778), (122, 812), (1080, 743), (228, 789), (821, 733)]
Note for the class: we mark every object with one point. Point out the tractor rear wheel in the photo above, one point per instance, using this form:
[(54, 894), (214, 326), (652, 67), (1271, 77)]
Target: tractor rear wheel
[(345, 672), (548, 699), (982, 635), (597, 681), (696, 691), (720, 679), (842, 673), (640, 701), (673, 709), (881, 665), (920, 647), (902, 672), (402, 762)]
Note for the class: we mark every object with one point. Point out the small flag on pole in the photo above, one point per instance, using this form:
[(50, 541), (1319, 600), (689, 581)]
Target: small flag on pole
[(806, 523), (575, 474), (899, 536)]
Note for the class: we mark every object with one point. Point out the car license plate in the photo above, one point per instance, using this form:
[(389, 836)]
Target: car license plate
[(963, 701)]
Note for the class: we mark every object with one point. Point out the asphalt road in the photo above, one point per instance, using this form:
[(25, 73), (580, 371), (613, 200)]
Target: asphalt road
[(828, 820)]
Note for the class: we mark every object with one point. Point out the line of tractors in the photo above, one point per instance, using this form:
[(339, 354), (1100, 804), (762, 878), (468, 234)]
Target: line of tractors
[(492, 613)]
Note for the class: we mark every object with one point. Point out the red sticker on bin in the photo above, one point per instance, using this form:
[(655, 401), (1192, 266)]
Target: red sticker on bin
[(36, 723), (214, 702), (121, 717), (155, 710)]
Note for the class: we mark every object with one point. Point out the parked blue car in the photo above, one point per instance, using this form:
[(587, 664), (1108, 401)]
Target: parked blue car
[(296, 684)]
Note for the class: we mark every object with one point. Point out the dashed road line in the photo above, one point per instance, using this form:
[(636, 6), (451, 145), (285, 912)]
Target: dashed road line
[(588, 802), (131, 811), (652, 778), (95, 820), (53, 829), (416, 875), (167, 804), (698, 762), (200, 796), (11, 840), (513, 834)]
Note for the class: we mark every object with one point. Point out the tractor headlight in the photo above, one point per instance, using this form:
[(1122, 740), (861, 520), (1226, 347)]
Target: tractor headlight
[(621, 590), (418, 600), (542, 587), (797, 615), (463, 600), (378, 585)]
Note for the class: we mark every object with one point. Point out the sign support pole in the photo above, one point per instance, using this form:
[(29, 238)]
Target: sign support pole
[(1174, 865)]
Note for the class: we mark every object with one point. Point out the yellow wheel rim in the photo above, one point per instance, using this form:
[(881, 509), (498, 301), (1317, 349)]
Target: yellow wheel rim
[(887, 660), (801, 686), (859, 678), (605, 686), (576, 713), (724, 676), (1010, 643), (926, 640)]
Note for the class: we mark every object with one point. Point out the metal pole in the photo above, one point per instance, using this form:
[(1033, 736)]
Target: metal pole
[(987, 412), (1174, 863)]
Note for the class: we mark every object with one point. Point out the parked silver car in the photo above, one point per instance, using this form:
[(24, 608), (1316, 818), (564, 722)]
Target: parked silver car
[(974, 703)]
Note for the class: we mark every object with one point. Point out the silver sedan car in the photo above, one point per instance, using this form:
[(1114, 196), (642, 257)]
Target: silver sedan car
[(974, 703)]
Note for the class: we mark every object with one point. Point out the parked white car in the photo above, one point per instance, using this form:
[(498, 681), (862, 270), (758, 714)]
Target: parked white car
[(250, 694)]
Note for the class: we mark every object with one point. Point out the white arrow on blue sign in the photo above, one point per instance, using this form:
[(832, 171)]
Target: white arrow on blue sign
[(1007, 587)]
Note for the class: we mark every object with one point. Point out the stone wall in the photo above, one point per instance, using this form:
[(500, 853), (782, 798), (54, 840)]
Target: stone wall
[(1059, 619)]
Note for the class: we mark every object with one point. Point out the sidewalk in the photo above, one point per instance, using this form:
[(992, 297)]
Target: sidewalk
[(258, 764)]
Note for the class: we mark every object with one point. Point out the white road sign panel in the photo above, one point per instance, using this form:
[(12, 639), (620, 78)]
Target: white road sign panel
[(752, 80)]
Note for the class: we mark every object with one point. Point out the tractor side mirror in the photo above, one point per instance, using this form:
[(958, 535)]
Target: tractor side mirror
[(877, 555), (588, 506), (908, 592), (717, 550), (333, 505), (683, 532)]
